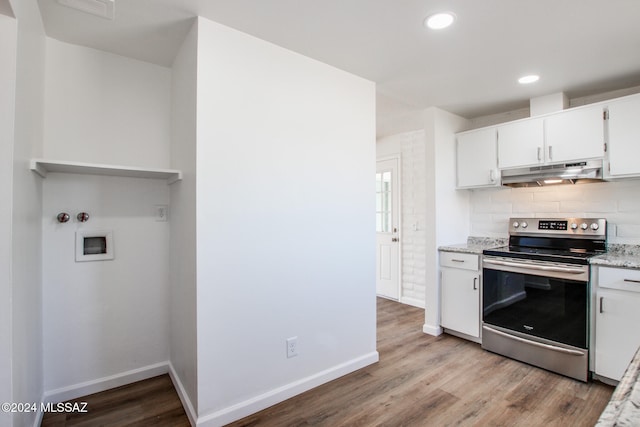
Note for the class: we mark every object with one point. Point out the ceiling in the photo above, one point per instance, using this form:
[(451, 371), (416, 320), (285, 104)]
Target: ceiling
[(580, 47)]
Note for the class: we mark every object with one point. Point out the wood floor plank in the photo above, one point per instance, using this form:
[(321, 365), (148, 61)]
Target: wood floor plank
[(420, 380), (438, 381), (152, 402)]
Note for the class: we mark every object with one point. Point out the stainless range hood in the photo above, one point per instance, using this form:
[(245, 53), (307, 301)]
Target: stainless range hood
[(565, 173)]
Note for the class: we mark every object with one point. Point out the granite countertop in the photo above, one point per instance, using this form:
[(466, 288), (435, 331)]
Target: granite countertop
[(475, 245), (624, 256), (624, 407), (617, 255)]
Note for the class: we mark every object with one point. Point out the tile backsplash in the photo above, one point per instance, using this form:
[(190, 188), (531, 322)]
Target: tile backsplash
[(618, 202)]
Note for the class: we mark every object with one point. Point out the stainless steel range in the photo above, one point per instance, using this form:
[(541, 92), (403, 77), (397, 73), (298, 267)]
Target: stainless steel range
[(536, 292)]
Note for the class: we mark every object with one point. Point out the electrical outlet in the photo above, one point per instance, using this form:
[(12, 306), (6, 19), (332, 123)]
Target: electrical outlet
[(292, 347), (161, 212)]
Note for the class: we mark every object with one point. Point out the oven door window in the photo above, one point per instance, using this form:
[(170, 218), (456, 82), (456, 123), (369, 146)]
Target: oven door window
[(551, 308)]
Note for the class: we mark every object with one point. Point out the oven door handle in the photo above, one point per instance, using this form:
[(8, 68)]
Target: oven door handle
[(535, 266), (535, 343)]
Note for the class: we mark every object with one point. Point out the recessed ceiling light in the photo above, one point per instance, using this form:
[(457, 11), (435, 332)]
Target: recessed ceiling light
[(531, 78), (439, 21)]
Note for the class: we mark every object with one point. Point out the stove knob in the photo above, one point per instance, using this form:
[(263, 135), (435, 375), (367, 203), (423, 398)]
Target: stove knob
[(584, 226), (516, 224), (594, 226), (524, 224), (574, 226)]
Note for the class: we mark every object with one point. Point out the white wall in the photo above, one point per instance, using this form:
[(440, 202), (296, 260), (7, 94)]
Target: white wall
[(286, 235), (104, 108), (182, 330), (103, 318), (27, 206), (508, 116), (106, 323), (618, 202), (451, 206), (394, 117), (8, 34), (447, 208)]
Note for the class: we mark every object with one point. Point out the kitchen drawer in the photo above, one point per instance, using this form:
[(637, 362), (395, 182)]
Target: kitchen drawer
[(619, 278), (459, 260)]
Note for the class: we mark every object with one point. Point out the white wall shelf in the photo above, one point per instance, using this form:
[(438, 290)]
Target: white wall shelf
[(42, 167)]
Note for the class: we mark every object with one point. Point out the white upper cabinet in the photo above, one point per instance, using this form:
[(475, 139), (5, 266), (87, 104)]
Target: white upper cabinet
[(521, 143), (476, 159), (623, 145), (575, 134), (566, 136)]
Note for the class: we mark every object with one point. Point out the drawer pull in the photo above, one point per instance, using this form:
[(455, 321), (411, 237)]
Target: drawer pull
[(632, 281), (457, 260)]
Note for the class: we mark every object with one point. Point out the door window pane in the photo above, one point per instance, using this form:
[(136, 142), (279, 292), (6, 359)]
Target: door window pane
[(383, 202)]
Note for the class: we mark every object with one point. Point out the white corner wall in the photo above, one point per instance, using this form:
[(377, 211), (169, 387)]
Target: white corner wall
[(26, 238), (447, 208), (106, 323), (8, 39), (452, 206), (105, 108), (183, 295), (286, 235)]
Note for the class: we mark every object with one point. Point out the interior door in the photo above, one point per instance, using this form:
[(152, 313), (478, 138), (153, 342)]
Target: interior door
[(387, 226)]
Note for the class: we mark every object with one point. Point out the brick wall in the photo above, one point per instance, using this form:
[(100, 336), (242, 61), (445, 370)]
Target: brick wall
[(414, 205), (618, 202)]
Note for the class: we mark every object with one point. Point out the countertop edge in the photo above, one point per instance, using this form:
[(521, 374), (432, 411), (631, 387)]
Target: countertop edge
[(621, 256), (475, 245)]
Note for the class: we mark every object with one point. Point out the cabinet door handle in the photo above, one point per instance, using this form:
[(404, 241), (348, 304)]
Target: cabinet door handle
[(475, 283), (632, 281), (492, 179), (539, 153), (601, 310), (550, 153)]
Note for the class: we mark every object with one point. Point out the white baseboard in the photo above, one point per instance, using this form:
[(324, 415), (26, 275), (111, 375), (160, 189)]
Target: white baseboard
[(101, 384), (182, 394), (270, 398), (412, 301), (38, 421), (432, 330)]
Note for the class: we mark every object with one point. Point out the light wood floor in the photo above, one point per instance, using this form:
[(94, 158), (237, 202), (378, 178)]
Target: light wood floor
[(438, 381), (420, 381)]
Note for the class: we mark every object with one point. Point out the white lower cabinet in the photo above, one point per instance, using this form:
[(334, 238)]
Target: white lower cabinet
[(617, 317), (460, 293)]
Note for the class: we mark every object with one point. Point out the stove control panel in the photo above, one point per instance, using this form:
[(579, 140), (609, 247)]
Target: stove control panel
[(577, 227), (552, 224)]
